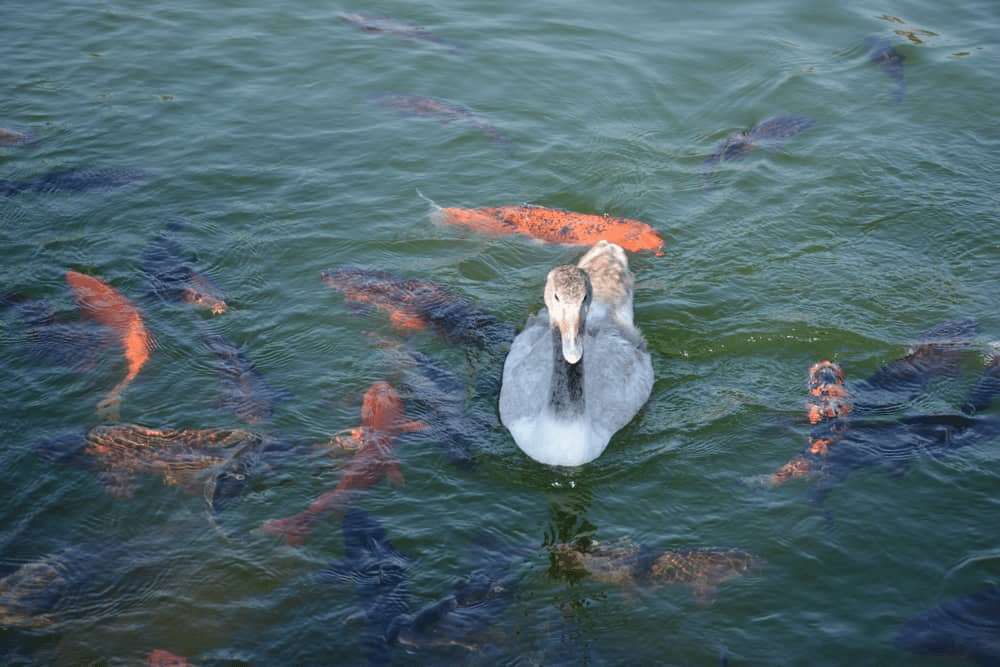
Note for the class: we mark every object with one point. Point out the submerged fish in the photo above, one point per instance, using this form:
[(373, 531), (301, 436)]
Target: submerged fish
[(430, 107), (174, 279), (107, 306), (228, 483), (465, 618), (419, 304), (880, 50), (963, 627), (439, 398), (555, 226), (121, 453), (54, 337), (768, 134), (880, 443), (30, 594), (629, 564), (27, 594), (248, 394), (386, 25), (379, 574), (382, 421), (73, 581), (847, 432), (76, 180), (12, 137), (162, 658)]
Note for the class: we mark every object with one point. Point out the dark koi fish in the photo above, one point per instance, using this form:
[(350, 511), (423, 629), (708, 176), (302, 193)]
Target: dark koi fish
[(382, 421), (379, 574), (768, 134), (880, 50), (386, 25), (35, 593), (438, 397), (555, 226), (468, 616), (56, 338), (105, 305), (963, 627), (842, 440), (439, 110), (175, 280), (76, 180), (419, 304), (248, 394)]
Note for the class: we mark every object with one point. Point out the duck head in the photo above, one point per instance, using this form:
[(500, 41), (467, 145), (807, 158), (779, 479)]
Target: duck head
[(567, 297)]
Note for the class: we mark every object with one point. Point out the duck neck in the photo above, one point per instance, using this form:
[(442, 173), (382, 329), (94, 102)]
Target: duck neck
[(566, 398)]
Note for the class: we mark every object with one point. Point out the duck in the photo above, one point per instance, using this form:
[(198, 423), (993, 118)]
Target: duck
[(579, 371)]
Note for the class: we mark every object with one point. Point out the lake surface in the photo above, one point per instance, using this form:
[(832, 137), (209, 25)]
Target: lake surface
[(254, 121)]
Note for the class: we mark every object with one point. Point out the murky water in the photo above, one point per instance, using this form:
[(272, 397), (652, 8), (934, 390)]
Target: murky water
[(253, 123)]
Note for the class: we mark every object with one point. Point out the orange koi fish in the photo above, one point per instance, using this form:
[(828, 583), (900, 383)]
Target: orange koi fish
[(828, 397), (162, 658), (107, 306), (555, 226), (381, 421), (830, 404)]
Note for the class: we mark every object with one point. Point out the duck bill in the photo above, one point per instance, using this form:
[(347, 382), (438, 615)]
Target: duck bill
[(572, 340)]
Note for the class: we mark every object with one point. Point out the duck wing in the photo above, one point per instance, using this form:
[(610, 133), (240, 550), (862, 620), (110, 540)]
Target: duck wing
[(527, 371), (618, 377)]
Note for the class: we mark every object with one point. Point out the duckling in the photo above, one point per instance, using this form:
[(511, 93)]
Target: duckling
[(579, 371)]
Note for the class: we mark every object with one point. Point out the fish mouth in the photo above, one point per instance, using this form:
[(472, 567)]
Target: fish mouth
[(825, 373)]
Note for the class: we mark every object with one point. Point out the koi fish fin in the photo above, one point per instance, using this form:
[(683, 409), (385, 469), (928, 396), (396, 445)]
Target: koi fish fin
[(394, 474), (428, 200), (704, 595), (293, 528), (121, 486), (412, 425), (109, 407)]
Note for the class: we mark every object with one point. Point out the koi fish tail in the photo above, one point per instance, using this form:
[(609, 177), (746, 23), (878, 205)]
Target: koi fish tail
[(500, 140), (800, 466), (437, 217), (797, 467), (138, 343), (108, 406), (480, 220), (293, 528)]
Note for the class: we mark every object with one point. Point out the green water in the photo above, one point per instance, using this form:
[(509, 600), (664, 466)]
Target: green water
[(866, 229)]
